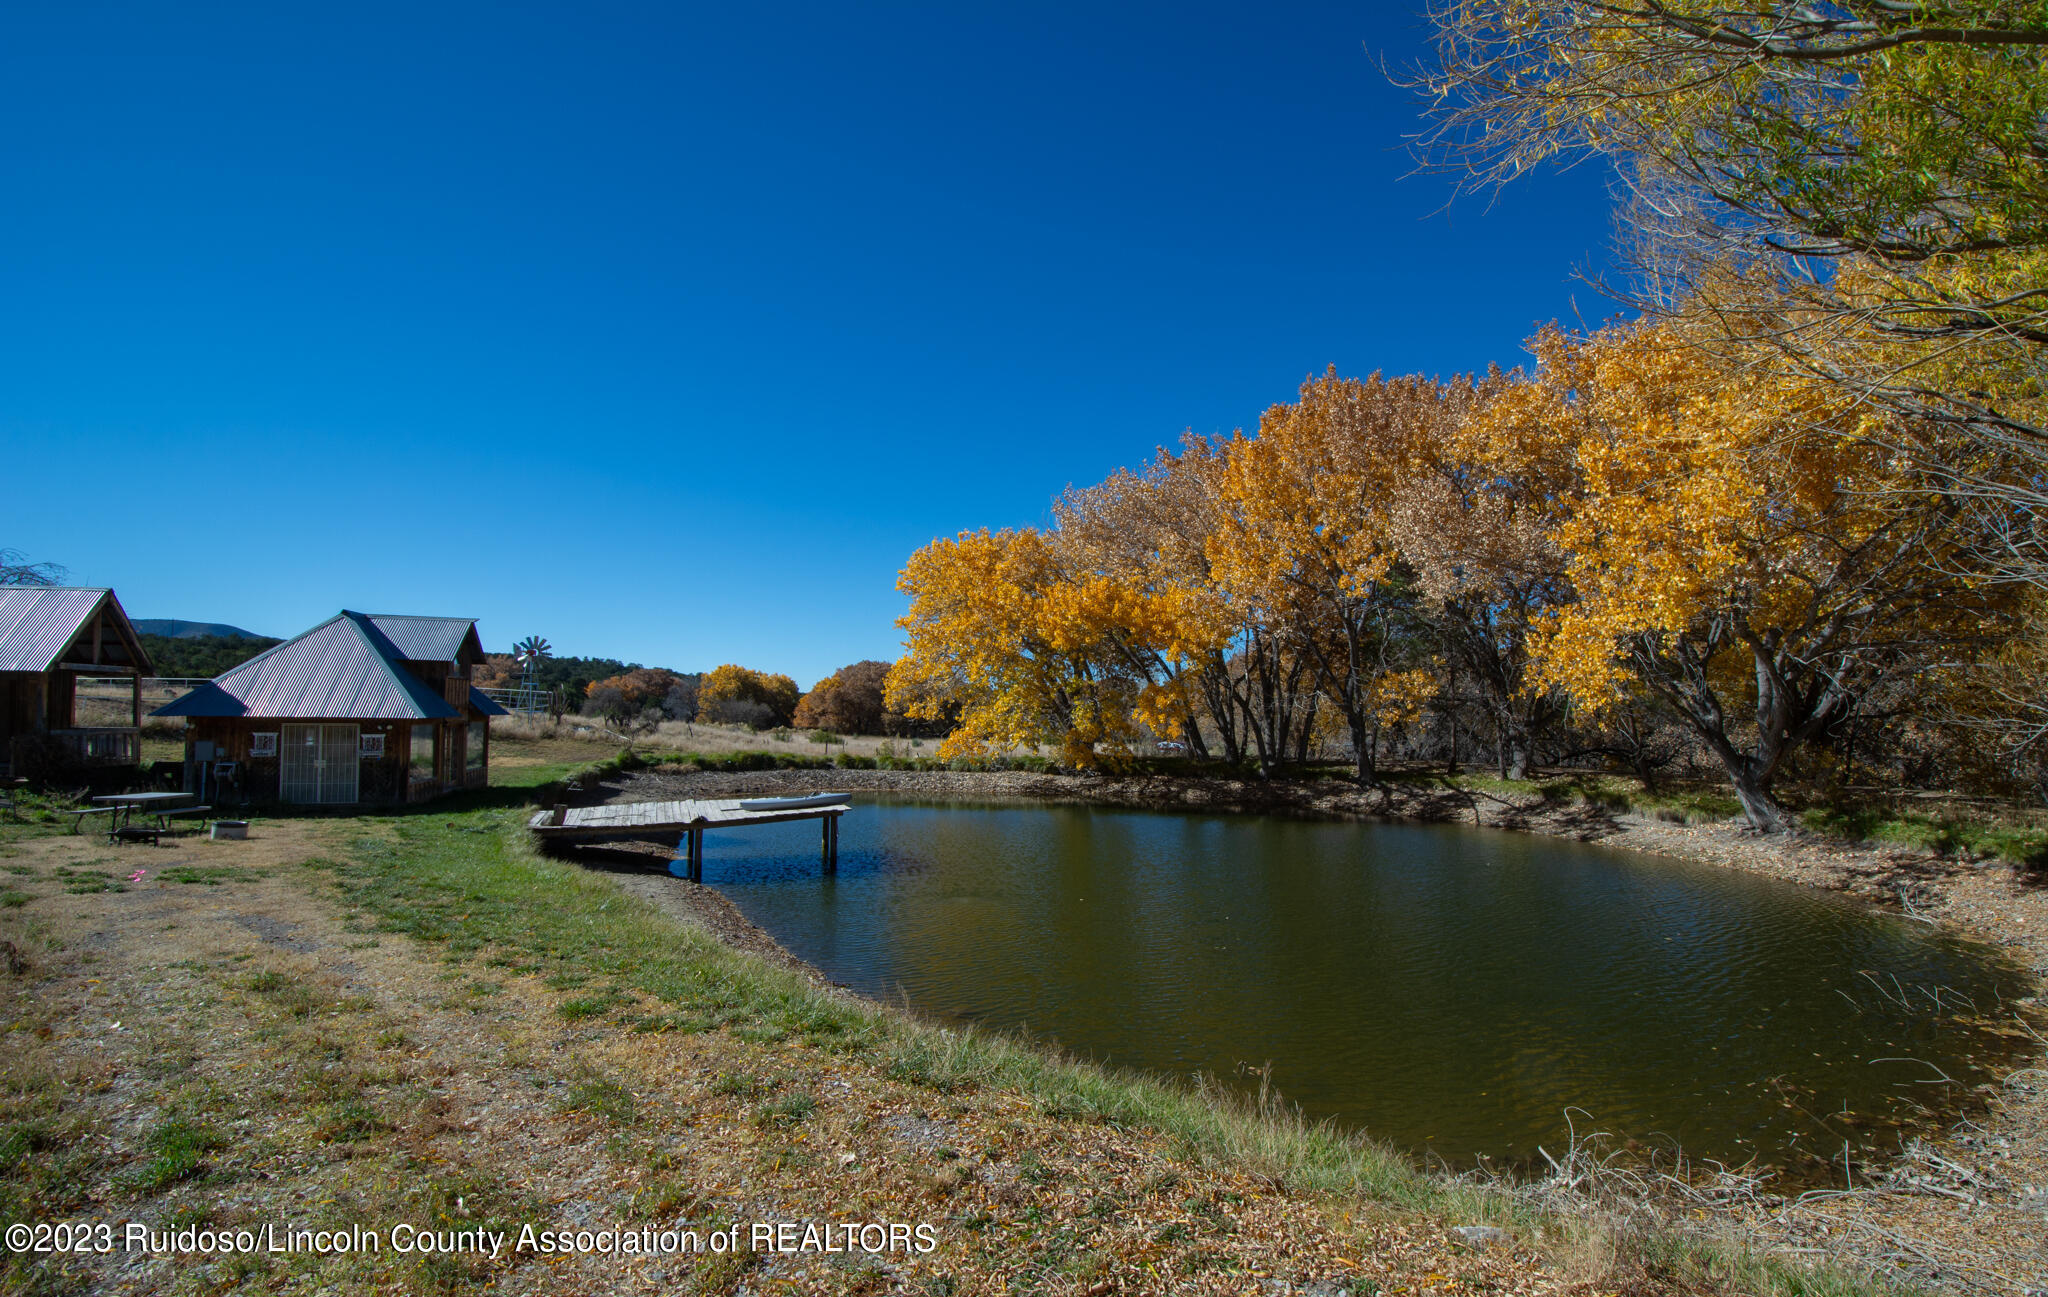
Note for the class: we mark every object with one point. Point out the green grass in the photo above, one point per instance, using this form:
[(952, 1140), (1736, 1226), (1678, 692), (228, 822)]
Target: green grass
[(205, 875), (177, 1149), (535, 776), (602, 1097), (788, 1110), (1945, 835)]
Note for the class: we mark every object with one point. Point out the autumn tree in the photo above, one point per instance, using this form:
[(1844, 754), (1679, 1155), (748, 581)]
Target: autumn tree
[(731, 683), (999, 629), (1738, 543), (849, 701), (1306, 540), (1863, 184), (496, 671), (1472, 526), (1195, 652), (643, 687)]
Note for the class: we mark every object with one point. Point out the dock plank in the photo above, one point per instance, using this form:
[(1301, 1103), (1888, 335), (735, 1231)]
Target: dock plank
[(643, 819)]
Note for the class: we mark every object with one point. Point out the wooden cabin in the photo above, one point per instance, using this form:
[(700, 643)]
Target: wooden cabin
[(363, 709), (51, 637)]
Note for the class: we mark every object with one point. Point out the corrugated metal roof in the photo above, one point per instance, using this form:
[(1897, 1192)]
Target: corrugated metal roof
[(482, 703), (423, 639), (342, 669), (37, 621)]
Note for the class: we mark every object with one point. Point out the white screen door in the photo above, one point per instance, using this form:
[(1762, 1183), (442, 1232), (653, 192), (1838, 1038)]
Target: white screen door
[(318, 763)]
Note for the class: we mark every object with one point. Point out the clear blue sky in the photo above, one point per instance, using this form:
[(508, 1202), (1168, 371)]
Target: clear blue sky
[(668, 332)]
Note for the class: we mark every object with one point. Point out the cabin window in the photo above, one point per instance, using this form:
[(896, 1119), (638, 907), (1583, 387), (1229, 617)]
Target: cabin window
[(473, 753), (423, 751)]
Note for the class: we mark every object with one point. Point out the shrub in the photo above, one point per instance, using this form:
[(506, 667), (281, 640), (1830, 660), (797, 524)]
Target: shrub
[(826, 737)]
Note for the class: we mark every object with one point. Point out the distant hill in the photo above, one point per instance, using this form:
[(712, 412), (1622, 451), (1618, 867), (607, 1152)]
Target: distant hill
[(173, 629), (192, 656)]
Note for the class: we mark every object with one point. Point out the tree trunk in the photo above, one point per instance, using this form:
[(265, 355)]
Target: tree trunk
[(1765, 815), (1360, 744), (1518, 755)]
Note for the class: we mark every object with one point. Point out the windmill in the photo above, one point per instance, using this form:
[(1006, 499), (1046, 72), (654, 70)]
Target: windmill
[(530, 653)]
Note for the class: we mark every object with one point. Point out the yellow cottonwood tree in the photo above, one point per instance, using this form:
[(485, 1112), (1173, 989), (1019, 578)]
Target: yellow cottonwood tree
[(1197, 652), (1306, 537), (1742, 543), (734, 683), (997, 627)]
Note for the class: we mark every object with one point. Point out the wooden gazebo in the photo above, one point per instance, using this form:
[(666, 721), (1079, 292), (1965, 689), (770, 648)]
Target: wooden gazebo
[(50, 637)]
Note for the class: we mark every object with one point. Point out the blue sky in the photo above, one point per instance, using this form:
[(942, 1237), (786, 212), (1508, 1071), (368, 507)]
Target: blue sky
[(668, 333)]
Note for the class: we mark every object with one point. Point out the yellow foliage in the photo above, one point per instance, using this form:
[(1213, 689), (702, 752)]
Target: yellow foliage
[(996, 627), (1698, 490), (733, 683)]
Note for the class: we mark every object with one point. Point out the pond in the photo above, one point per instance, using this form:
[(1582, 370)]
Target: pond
[(1452, 990)]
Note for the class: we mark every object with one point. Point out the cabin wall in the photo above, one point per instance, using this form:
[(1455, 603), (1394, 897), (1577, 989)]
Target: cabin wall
[(60, 699), (380, 780), (21, 698)]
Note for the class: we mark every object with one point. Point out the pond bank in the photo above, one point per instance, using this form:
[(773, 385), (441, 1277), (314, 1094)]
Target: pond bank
[(1967, 1214)]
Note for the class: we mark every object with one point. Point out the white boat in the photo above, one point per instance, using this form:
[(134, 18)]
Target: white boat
[(794, 803)]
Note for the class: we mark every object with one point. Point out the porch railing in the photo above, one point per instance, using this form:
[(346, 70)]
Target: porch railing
[(102, 747)]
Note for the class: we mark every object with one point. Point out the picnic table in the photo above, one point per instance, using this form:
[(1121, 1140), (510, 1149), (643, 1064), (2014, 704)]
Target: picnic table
[(162, 805)]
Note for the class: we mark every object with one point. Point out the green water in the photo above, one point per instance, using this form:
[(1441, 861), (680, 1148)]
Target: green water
[(1452, 990)]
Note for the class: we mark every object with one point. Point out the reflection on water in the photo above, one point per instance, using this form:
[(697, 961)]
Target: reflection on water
[(1448, 989)]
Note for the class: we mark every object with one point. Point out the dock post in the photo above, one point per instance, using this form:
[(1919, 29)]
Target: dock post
[(825, 854), (696, 855)]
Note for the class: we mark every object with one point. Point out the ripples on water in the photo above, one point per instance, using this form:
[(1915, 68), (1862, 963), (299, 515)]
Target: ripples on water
[(1448, 989)]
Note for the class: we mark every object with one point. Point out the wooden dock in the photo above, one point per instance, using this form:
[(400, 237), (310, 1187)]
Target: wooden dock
[(667, 822)]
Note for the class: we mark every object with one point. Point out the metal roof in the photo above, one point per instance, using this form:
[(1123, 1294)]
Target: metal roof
[(37, 622), (345, 668), (482, 703), (423, 639)]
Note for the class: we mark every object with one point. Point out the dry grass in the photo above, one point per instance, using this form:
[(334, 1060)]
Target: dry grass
[(594, 739)]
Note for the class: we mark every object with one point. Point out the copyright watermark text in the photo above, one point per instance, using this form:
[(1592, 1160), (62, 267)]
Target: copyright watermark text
[(137, 1238)]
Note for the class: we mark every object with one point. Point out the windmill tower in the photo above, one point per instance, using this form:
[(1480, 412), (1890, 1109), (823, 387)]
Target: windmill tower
[(530, 653)]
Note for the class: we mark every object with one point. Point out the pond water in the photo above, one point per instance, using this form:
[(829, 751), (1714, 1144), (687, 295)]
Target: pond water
[(1451, 990)]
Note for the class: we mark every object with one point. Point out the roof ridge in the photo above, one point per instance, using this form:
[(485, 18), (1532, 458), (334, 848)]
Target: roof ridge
[(281, 644), (413, 616), (412, 686), (400, 693)]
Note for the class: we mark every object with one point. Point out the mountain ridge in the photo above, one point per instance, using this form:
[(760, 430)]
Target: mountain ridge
[(174, 628)]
